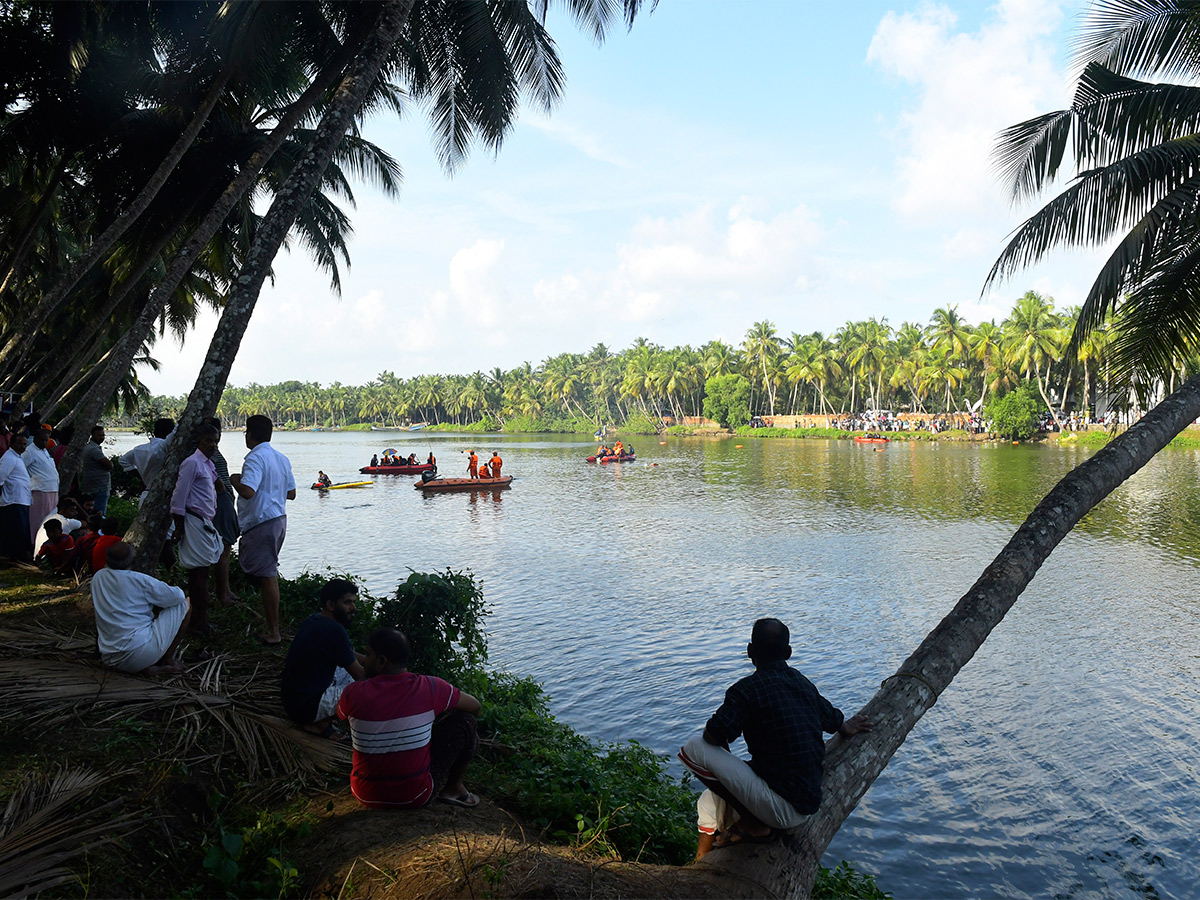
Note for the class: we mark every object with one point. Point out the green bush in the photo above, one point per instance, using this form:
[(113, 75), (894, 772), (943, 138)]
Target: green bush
[(727, 400), (639, 423), (549, 423), (123, 510), (844, 883), (568, 784), (1015, 415), (486, 425), (442, 614)]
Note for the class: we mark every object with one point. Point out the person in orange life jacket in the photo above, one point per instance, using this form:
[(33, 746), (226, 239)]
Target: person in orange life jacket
[(496, 462), (472, 464)]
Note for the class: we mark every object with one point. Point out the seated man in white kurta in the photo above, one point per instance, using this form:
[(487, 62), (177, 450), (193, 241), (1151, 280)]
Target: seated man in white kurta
[(139, 619)]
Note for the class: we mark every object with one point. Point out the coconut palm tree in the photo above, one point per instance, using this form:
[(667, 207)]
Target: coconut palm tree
[(1034, 341), (1131, 140), (761, 346)]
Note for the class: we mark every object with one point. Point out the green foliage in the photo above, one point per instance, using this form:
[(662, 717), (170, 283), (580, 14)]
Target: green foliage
[(638, 423), (727, 400), (1015, 415), (127, 485), (1188, 440), (548, 423), (844, 883), (298, 599), (621, 794), (1094, 439), (486, 425), (773, 432), (252, 861), (123, 510), (442, 614)]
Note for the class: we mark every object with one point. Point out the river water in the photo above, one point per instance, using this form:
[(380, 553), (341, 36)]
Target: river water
[(1064, 761)]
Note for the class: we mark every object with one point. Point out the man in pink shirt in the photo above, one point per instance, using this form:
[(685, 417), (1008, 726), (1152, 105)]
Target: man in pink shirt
[(413, 734), (193, 505)]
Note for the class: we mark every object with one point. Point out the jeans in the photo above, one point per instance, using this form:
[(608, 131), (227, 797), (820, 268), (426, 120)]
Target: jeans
[(100, 500)]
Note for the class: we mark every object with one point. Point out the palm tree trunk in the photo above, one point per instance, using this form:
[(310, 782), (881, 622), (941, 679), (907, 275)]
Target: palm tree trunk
[(57, 294), (1037, 373), (788, 867), (148, 531), (126, 348)]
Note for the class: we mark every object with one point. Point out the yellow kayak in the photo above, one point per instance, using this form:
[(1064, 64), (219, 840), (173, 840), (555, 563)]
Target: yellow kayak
[(342, 484)]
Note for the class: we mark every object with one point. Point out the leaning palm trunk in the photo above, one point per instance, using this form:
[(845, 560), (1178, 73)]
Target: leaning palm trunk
[(788, 867), (123, 353), (149, 528), (57, 294)]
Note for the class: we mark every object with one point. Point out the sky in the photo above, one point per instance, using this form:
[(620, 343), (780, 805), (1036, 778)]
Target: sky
[(799, 161)]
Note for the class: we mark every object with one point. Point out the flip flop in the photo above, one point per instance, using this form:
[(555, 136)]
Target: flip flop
[(736, 835), (466, 801)]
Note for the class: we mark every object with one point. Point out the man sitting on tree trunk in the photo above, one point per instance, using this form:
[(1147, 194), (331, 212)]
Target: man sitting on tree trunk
[(783, 717)]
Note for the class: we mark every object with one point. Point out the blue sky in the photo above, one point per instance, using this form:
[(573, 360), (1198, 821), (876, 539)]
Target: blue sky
[(721, 163)]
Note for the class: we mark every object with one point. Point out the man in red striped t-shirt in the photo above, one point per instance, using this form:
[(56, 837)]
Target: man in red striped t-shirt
[(413, 734)]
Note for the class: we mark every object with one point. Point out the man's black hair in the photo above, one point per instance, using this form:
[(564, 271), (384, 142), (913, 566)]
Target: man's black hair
[(334, 590), (96, 428), (53, 525), (770, 641), (119, 555), (214, 421), (163, 427), (111, 525), (391, 643), (259, 428), (207, 431)]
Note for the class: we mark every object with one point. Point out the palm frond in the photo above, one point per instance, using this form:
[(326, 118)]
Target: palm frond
[(1155, 237), (1141, 36), (1099, 203), (1118, 116), (1027, 156), (37, 836)]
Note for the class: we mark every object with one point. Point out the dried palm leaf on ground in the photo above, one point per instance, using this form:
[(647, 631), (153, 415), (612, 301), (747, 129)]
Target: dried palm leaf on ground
[(264, 745), (39, 833)]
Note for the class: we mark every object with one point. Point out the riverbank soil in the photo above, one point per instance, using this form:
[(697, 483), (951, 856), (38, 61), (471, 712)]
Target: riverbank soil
[(195, 786)]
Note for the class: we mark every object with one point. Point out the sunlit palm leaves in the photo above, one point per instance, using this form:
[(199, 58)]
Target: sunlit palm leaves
[(1135, 147)]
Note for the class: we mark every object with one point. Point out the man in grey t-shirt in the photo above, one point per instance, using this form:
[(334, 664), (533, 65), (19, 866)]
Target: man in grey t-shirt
[(95, 472)]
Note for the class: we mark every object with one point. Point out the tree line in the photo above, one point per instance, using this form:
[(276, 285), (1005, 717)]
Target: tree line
[(942, 367)]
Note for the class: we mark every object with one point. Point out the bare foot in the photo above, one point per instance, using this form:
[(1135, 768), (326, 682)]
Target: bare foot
[(230, 599), (167, 669)]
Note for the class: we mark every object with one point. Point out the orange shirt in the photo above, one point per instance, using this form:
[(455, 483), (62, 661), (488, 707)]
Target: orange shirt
[(483, 471), (473, 465), (496, 462)]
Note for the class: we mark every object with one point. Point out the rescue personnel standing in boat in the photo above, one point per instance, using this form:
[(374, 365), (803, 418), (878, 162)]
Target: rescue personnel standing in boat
[(472, 464), (496, 462)]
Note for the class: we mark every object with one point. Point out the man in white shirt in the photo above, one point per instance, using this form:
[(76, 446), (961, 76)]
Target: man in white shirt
[(69, 513), (146, 459), (15, 496), (43, 481), (263, 487), (139, 619)]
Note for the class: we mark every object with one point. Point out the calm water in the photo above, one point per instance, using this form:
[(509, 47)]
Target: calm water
[(1063, 761)]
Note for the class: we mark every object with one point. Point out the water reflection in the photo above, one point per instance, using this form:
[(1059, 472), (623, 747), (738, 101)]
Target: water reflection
[(1061, 762)]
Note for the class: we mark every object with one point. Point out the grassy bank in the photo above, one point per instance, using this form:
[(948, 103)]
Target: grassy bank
[(196, 787)]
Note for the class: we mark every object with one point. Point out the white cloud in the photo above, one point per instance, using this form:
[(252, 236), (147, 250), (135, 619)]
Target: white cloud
[(970, 86)]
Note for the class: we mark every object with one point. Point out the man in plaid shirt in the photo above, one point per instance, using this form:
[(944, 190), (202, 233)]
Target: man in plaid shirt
[(783, 718)]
